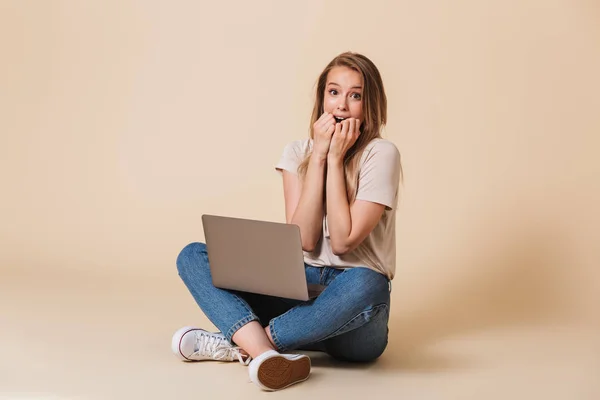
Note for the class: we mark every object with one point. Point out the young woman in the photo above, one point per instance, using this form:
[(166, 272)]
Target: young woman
[(341, 188)]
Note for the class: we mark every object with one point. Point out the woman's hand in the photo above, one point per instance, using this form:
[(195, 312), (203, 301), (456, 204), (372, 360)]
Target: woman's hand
[(345, 135), (322, 131)]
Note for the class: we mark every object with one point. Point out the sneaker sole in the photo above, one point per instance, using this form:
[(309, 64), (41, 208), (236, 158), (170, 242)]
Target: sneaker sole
[(279, 372)]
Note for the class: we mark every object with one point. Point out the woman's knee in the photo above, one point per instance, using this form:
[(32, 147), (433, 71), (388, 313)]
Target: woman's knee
[(359, 354), (364, 343), (190, 256)]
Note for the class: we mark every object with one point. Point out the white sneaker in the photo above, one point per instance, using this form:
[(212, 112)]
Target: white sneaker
[(273, 371), (195, 344)]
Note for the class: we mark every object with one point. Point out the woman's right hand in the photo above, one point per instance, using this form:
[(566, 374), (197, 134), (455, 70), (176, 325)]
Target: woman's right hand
[(323, 130)]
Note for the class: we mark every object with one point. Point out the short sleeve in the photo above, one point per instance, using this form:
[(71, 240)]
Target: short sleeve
[(292, 156), (379, 176)]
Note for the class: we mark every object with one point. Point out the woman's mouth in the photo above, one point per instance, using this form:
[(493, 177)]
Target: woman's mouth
[(339, 119)]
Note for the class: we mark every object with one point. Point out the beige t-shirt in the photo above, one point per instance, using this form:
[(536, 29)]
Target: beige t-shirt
[(378, 181)]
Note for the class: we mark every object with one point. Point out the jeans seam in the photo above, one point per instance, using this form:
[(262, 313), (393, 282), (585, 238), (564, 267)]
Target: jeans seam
[(335, 333), (242, 303), (329, 272), (276, 340), (281, 347), (245, 320)]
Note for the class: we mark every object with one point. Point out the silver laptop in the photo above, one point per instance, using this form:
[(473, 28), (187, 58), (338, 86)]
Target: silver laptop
[(257, 256)]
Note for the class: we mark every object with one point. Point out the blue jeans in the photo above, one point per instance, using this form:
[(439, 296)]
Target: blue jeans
[(349, 319)]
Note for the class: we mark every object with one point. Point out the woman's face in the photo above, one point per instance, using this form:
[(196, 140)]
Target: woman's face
[(343, 94)]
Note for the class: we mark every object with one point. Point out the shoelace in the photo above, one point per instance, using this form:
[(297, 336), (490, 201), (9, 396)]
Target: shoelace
[(217, 348)]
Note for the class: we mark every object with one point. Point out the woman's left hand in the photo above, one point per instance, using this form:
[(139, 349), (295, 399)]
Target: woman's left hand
[(345, 135)]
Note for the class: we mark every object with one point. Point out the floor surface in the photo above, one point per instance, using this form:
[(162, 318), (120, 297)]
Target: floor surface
[(70, 336)]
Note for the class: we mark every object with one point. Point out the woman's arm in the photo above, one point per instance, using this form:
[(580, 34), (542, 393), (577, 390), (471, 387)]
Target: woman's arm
[(348, 226), (304, 202)]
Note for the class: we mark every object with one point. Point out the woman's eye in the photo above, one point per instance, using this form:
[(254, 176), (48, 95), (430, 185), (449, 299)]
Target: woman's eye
[(356, 96), (333, 92)]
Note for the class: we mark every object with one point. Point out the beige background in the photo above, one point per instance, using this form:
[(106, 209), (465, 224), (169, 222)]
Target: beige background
[(121, 122)]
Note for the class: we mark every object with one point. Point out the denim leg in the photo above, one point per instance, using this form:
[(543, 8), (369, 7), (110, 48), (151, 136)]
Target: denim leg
[(266, 307), (225, 309), (354, 298), (363, 344), (269, 307)]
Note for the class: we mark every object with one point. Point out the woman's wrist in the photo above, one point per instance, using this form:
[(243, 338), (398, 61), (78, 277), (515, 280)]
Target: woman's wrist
[(334, 160), (319, 159)]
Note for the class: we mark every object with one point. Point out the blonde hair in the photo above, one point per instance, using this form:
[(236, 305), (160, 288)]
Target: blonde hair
[(374, 104)]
